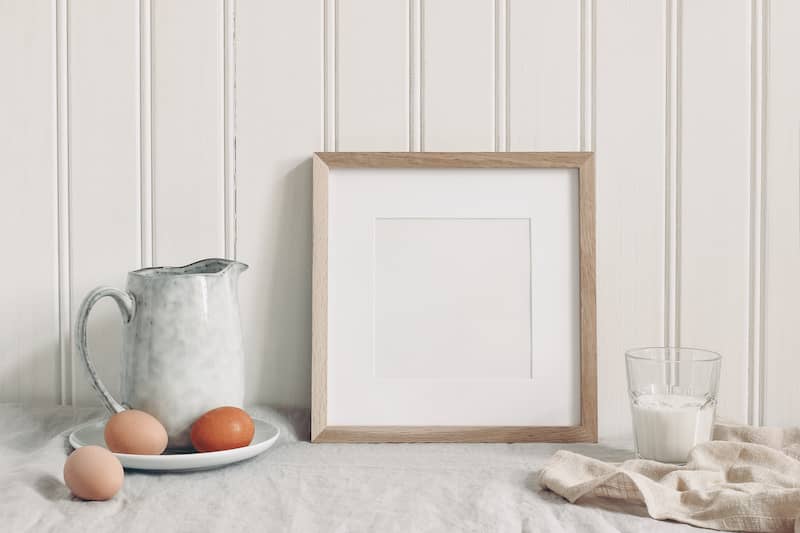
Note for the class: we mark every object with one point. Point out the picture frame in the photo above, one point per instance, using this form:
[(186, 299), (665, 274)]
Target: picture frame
[(345, 270)]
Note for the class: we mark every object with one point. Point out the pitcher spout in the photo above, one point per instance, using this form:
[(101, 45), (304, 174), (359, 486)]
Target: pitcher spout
[(241, 266), (231, 264), (236, 267)]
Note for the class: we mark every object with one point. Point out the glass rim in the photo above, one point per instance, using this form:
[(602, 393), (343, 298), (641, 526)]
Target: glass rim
[(640, 354)]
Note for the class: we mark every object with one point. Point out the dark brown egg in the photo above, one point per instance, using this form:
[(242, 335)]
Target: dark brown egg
[(222, 428)]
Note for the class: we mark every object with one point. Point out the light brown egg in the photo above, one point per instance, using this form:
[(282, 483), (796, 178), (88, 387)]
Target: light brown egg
[(93, 473), (135, 432), (222, 428)]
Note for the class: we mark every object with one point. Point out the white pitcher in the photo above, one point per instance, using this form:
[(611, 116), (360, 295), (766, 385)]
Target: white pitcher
[(182, 343)]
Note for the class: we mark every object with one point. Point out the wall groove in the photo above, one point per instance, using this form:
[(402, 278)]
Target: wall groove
[(336, 106), (421, 71), (672, 174), (593, 77), (329, 75), (145, 136), (755, 348), (677, 251), (588, 60), (414, 76), (229, 126), (507, 88), (67, 380), (501, 75), (762, 354), (780, 172), (150, 70)]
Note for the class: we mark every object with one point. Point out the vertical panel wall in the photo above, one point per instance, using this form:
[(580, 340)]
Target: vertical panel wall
[(714, 188), (782, 224), (279, 125), (104, 177), (145, 131), (187, 130), (458, 69), (30, 357), (631, 125)]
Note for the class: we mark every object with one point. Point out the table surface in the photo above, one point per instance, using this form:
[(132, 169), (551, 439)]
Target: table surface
[(298, 486)]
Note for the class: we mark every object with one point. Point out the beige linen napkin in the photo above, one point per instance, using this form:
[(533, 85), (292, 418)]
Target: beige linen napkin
[(747, 479)]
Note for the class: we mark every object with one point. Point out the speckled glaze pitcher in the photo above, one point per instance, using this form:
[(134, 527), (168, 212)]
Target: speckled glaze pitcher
[(182, 343)]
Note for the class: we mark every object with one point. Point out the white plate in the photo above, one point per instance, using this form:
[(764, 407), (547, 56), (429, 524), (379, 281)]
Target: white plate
[(265, 436)]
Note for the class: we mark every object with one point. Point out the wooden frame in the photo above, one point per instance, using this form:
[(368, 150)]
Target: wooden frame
[(587, 430)]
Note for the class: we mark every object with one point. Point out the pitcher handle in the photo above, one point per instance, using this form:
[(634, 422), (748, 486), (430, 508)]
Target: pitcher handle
[(127, 308)]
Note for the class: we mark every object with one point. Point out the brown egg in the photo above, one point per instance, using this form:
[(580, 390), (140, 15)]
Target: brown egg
[(222, 428), (93, 473), (135, 432)]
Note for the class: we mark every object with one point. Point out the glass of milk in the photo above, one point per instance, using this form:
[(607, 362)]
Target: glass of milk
[(673, 395)]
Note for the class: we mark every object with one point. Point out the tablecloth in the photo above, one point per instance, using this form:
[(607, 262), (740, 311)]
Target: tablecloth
[(297, 486)]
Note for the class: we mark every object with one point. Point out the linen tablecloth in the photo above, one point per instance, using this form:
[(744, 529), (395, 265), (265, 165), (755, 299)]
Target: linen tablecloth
[(303, 487)]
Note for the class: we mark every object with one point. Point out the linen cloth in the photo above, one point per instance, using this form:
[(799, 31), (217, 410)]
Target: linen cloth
[(301, 487), (746, 479)]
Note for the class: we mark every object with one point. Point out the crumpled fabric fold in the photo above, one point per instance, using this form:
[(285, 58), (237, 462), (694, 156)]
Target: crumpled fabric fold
[(747, 479)]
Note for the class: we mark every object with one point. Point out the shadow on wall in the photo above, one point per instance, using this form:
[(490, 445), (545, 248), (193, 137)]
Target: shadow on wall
[(23, 375), (276, 295), (29, 350), (30, 360), (105, 350)]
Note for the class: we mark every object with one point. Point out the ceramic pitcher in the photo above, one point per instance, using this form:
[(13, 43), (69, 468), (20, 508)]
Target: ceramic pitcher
[(182, 343)]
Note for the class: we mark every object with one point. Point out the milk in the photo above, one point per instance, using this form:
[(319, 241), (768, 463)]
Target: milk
[(667, 426)]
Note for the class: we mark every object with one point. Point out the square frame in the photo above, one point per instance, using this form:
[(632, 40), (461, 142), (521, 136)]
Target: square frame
[(586, 431)]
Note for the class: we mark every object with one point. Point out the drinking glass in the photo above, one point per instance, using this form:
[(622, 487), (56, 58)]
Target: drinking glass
[(673, 394)]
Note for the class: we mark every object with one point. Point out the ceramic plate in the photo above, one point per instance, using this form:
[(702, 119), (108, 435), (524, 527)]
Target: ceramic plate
[(266, 435)]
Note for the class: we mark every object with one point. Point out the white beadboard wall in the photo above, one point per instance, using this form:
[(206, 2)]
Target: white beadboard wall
[(145, 132)]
